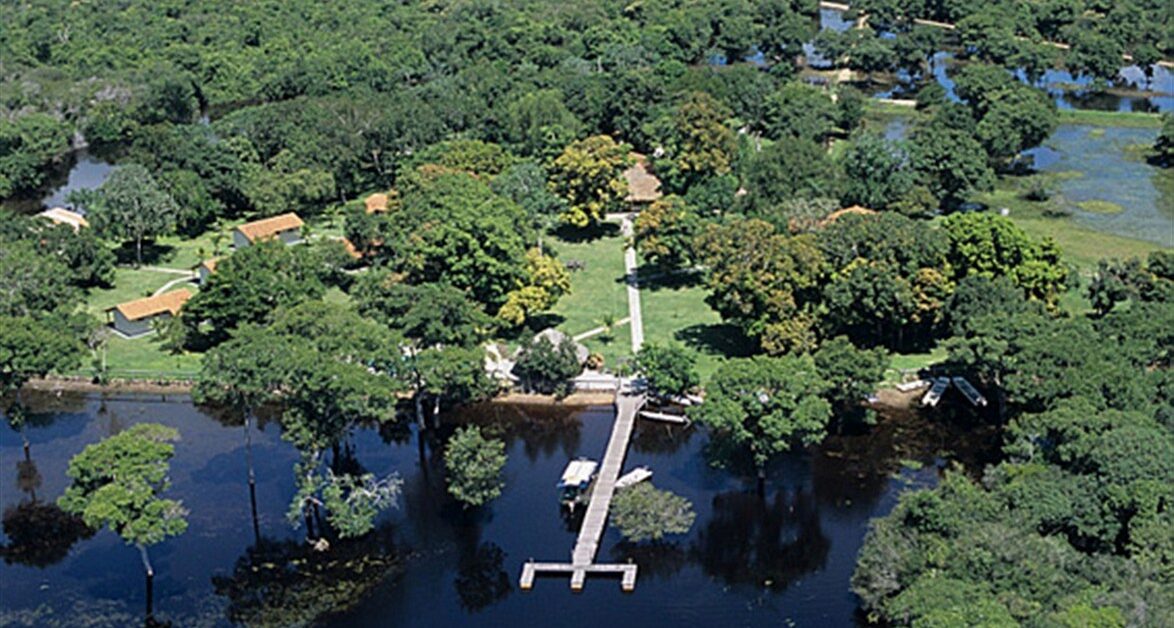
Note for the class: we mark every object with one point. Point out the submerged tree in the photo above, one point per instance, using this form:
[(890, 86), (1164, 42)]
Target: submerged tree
[(286, 583), (645, 513), (243, 373), (766, 406), (474, 465), (118, 482)]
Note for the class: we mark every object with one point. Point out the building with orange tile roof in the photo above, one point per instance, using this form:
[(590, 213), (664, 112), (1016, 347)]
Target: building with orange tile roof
[(376, 203), (855, 209), (286, 227), (134, 318), (62, 216), (205, 269)]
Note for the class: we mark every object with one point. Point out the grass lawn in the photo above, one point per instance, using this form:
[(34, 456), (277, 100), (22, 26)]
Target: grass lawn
[(1110, 118), (597, 290), (144, 358), (911, 362), (677, 312)]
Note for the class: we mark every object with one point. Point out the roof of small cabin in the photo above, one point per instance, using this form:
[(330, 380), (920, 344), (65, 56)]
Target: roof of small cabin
[(376, 203), (855, 209), (643, 186), (556, 338), (350, 249), (270, 226), (169, 302), (209, 264), (62, 216)]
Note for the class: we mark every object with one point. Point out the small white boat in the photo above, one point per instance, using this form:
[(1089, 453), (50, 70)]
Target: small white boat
[(934, 395), (679, 419), (913, 385), (970, 392), (633, 477)]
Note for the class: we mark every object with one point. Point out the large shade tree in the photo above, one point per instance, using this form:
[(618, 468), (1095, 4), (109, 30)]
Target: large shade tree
[(131, 206), (589, 176)]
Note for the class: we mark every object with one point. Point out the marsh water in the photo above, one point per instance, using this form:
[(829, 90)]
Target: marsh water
[(746, 562), (1105, 164)]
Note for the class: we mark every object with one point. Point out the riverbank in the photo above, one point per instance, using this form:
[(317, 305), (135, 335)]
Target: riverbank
[(887, 397)]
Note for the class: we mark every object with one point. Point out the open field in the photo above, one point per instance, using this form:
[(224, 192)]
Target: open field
[(676, 311), (597, 290), (144, 358)]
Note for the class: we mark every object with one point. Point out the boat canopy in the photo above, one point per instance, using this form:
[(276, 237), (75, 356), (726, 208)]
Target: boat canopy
[(578, 473)]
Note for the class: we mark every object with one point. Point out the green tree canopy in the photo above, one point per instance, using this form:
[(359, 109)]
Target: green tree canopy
[(694, 142), (665, 231), (761, 281), (474, 464), (877, 172), (799, 111), (29, 145), (131, 206), (451, 228), (787, 169), (766, 406), (248, 287), (952, 162), (548, 367), (588, 175), (33, 283), (670, 369), (645, 513), (993, 246)]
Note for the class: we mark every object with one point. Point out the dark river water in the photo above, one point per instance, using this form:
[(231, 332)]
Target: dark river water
[(785, 560)]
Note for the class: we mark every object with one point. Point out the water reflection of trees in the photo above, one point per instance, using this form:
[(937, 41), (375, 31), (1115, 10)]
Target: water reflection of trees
[(655, 560), (773, 541), (288, 583), (543, 429), (653, 437), (481, 578), (857, 468), (40, 534)]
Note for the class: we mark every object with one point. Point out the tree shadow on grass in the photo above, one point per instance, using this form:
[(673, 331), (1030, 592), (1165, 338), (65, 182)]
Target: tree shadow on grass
[(653, 279), (717, 339), (575, 235), (153, 252)]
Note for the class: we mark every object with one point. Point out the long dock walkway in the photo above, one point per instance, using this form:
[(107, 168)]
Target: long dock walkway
[(595, 521)]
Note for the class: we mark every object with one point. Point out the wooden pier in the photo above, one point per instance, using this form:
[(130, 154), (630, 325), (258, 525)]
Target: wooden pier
[(595, 521)]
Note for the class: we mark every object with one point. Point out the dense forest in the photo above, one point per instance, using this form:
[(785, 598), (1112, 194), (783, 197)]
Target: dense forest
[(492, 127)]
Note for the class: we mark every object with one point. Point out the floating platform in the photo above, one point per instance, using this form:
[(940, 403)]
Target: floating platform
[(531, 569)]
